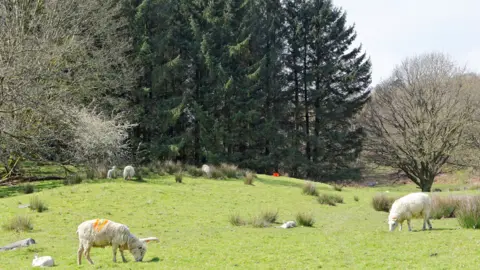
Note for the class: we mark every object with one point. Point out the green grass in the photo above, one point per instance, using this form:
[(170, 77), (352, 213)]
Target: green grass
[(192, 223)]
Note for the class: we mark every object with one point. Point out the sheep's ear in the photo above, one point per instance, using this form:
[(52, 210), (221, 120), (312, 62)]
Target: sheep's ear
[(394, 218), (149, 239)]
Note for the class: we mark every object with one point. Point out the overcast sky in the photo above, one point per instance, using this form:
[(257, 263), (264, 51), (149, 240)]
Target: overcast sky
[(391, 30)]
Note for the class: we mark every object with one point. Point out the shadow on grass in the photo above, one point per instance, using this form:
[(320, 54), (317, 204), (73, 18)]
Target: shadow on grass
[(18, 189), (278, 182), (155, 259)]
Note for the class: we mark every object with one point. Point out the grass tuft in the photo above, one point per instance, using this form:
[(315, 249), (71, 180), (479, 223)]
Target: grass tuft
[(236, 220), (37, 205), (337, 187), (72, 179), (382, 202), (355, 198), (444, 206), (269, 216), (28, 189), (309, 188), (229, 170), (18, 224), (178, 177), (249, 178), (468, 212), (259, 222), (329, 199), (305, 219)]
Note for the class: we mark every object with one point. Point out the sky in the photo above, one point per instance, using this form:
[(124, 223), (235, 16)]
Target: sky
[(392, 30)]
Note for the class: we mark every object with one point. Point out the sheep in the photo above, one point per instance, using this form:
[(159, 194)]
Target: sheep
[(128, 172), (44, 261), (104, 232), (289, 224), (413, 205), (207, 170), (111, 173)]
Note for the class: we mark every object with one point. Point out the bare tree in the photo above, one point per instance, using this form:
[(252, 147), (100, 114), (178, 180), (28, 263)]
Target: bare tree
[(416, 120), (54, 55)]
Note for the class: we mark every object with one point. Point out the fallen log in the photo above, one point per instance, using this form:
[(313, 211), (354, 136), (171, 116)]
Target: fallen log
[(22, 243)]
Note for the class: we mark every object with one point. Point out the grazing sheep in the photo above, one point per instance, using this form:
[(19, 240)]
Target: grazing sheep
[(44, 261), (104, 232), (111, 173), (128, 172), (413, 205), (207, 170)]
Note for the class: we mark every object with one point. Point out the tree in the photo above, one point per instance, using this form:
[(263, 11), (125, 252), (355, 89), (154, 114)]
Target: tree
[(416, 119), (55, 58)]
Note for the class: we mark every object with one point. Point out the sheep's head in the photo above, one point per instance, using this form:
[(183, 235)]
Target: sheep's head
[(139, 248), (392, 223)]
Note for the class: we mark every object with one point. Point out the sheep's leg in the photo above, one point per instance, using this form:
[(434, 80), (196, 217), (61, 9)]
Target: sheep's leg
[(409, 227), (429, 224), (114, 248), (79, 254), (123, 256), (87, 255), (400, 226)]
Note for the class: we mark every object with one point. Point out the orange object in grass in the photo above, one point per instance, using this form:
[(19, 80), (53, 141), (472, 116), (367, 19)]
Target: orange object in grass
[(276, 174)]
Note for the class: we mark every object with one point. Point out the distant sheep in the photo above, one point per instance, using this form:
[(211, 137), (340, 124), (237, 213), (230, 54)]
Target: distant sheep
[(207, 170), (44, 261), (104, 232), (413, 205), (128, 172), (111, 173), (289, 224)]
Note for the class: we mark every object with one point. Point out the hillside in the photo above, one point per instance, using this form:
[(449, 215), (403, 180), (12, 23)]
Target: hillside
[(192, 222)]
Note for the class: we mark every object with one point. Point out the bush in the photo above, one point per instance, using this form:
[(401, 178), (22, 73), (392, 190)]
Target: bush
[(309, 188), (269, 216), (72, 179), (18, 223), (194, 171), (236, 220), (468, 212), (229, 170), (355, 198), (143, 171), (248, 178), (381, 202), (305, 219), (444, 206), (37, 205), (178, 177), (28, 188), (217, 174), (329, 199)]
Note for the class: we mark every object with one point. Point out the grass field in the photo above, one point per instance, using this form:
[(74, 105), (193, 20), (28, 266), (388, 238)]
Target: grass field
[(192, 222)]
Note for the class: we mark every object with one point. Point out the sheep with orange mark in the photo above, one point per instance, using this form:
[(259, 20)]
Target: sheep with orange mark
[(104, 232), (413, 205)]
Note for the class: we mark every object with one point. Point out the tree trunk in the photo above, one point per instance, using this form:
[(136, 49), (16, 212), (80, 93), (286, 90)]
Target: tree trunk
[(426, 184)]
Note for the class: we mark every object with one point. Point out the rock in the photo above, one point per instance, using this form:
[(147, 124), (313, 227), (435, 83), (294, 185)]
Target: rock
[(24, 206), (22, 243)]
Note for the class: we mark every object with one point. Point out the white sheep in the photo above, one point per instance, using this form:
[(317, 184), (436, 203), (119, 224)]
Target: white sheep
[(104, 232), (413, 205), (207, 170), (289, 224), (44, 261), (128, 172), (111, 173)]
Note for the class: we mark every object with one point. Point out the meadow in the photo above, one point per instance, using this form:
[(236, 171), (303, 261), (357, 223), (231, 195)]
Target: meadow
[(191, 219)]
